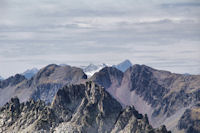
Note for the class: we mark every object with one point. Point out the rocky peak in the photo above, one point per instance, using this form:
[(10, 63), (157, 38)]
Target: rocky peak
[(145, 84), (94, 110), (106, 76), (67, 100), (59, 74), (46, 71)]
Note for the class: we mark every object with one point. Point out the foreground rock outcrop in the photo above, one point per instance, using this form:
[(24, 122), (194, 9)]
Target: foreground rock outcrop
[(75, 108)]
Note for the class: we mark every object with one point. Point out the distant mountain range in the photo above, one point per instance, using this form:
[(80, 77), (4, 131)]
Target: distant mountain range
[(107, 101), (91, 68)]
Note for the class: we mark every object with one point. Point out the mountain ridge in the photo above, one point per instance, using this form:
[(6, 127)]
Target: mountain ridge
[(43, 85), (96, 111)]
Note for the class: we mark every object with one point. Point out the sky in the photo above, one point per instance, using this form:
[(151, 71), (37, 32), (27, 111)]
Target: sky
[(164, 34)]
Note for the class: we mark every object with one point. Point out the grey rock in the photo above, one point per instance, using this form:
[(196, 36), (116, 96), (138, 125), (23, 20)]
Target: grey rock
[(80, 108)]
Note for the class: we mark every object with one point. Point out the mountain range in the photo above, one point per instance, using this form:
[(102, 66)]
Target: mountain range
[(91, 69), (110, 100)]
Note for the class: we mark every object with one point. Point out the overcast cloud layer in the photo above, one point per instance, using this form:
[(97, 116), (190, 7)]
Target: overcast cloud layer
[(164, 34)]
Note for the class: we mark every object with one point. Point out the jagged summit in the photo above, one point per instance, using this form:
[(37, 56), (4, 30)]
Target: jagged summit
[(107, 76)]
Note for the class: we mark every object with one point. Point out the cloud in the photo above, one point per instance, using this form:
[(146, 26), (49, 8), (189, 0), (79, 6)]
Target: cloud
[(154, 32), (186, 4)]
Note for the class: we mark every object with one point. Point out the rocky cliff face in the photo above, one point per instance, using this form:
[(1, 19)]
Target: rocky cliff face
[(75, 108), (164, 96), (190, 120), (43, 85), (9, 86), (108, 77)]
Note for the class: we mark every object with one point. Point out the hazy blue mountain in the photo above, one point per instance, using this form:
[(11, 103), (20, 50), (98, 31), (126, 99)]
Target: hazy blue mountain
[(123, 66), (1, 78), (30, 73)]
